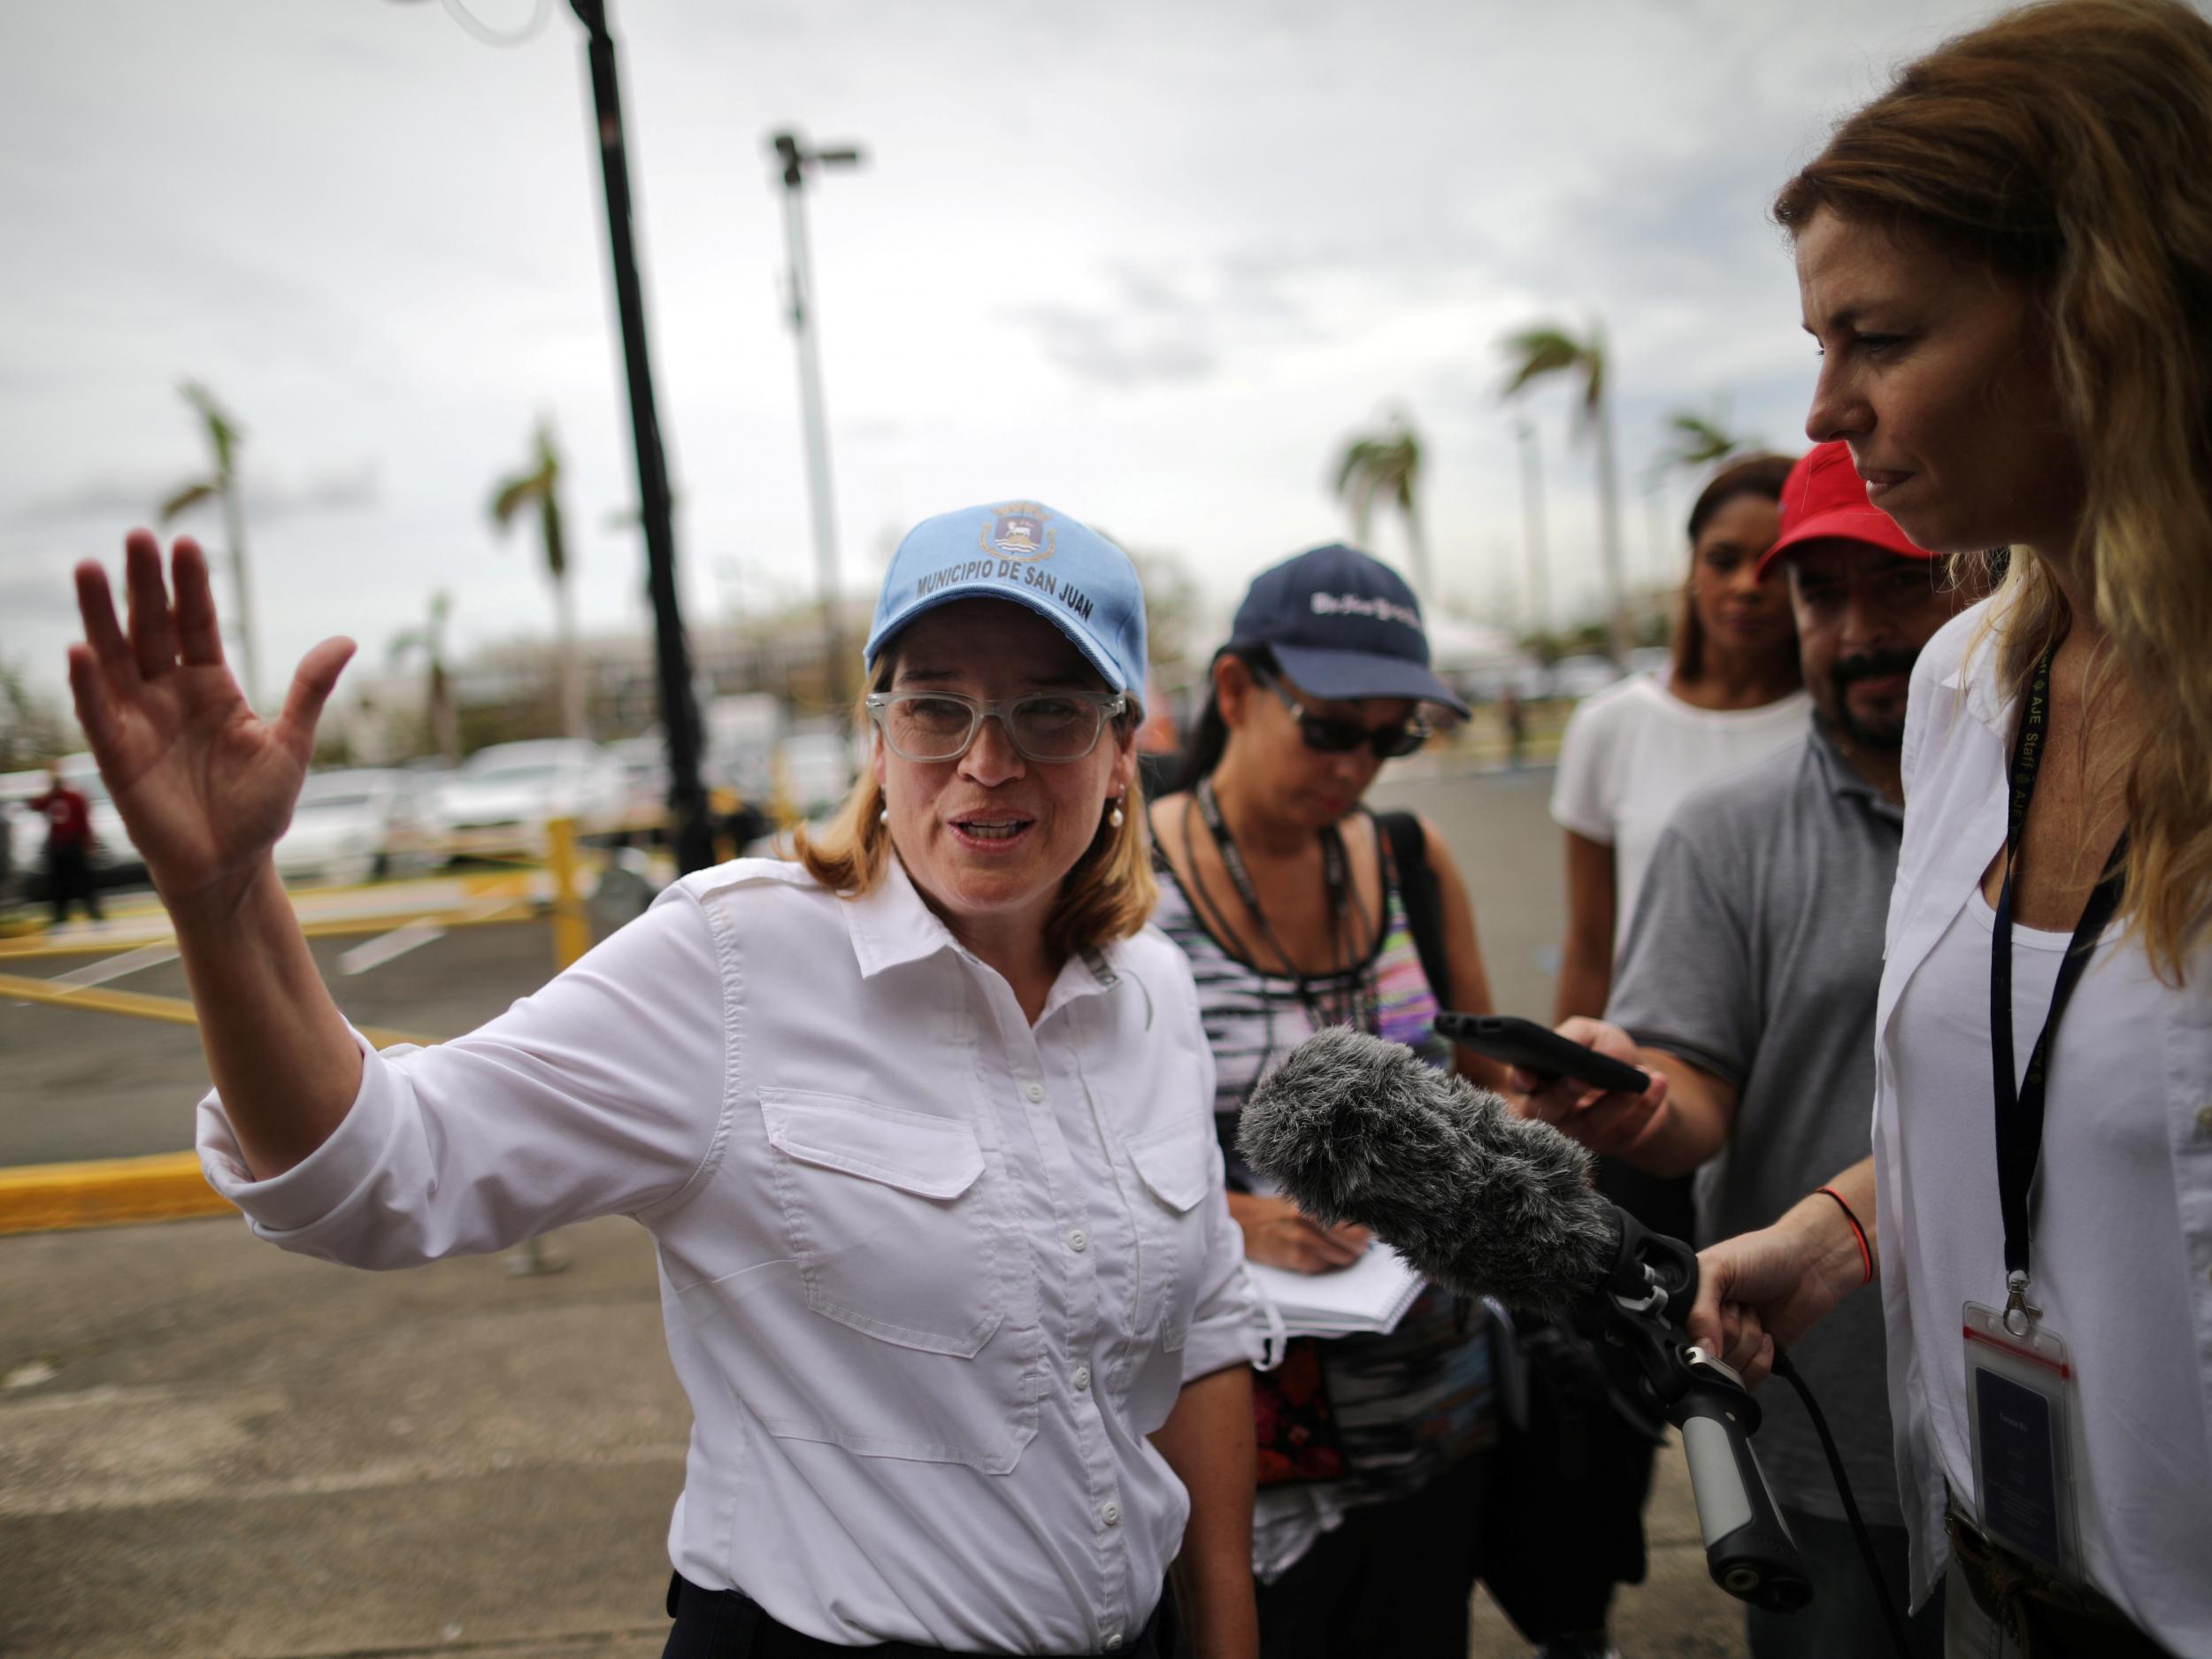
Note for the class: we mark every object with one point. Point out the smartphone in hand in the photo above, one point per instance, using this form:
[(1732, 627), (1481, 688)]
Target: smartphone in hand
[(1537, 1048)]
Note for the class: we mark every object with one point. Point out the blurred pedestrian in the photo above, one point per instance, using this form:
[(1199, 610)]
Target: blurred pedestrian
[(919, 1122), (1747, 987), (1299, 908), (1514, 713), (2005, 259), (69, 877)]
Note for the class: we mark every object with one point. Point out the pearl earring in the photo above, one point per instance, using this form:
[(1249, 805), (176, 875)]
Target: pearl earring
[(1114, 818), (883, 815)]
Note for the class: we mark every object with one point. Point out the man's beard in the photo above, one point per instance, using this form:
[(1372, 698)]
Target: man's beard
[(1873, 665)]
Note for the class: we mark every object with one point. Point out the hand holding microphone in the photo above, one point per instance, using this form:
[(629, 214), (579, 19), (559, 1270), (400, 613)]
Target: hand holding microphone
[(1761, 1289)]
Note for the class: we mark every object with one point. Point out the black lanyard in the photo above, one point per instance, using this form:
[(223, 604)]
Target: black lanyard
[(1335, 875), (2020, 1109)]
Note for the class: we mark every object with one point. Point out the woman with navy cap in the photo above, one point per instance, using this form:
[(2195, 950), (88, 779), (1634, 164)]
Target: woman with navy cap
[(1298, 909), (920, 1124)]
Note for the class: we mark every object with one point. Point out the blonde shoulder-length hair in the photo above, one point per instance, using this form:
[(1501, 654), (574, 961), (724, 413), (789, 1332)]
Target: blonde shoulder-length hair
[(1110, 895), (2064, 145)]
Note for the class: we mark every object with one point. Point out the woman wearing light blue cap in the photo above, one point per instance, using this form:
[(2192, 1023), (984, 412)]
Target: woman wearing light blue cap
[(920, 1124)]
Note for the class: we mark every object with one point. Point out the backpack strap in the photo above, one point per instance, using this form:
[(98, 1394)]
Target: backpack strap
[(1422, 896)]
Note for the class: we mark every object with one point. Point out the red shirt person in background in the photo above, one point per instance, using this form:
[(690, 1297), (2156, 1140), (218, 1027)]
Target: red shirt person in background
[(68, 847)]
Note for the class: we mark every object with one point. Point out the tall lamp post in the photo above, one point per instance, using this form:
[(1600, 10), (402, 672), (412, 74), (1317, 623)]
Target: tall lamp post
[(797, 161), (693, 836), (1533, 526), (679, 711)]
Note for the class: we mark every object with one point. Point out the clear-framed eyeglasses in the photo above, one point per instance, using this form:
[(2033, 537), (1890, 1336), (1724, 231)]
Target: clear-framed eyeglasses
[(1045, 725)]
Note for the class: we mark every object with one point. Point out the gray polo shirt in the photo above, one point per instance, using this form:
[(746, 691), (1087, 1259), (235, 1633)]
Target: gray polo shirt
[(1754, 953)]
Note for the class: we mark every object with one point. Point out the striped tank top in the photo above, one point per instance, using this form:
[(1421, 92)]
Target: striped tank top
[(1407, 1405)]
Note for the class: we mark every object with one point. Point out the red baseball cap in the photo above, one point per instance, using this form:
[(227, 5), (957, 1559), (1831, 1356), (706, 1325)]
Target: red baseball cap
[(1823, 499)]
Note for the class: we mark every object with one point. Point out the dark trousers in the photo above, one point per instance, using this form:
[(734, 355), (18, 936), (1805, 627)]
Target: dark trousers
[(1391, 1579), (69, 876), (725, 1624), (1845, 1619)]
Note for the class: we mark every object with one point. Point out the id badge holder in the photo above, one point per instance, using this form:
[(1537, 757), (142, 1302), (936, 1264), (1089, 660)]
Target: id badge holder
[(2020, 1402)]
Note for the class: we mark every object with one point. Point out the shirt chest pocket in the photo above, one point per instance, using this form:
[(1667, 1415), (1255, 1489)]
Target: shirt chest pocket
[(887, 1219), (1173, 1164)]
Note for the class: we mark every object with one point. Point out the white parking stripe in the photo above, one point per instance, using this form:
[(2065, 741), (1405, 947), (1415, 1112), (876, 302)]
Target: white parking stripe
[(115, 967), (378, 951)]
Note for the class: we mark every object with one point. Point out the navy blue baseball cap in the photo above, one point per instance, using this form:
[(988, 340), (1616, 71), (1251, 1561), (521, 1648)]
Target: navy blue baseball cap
[(1344, 626), (1025, 552)]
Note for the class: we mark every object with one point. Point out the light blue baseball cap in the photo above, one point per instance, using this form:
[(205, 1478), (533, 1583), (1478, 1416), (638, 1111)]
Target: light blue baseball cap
[(1026, 552)]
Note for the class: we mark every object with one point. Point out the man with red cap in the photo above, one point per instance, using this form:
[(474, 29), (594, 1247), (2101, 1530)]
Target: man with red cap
[(1747, 987)]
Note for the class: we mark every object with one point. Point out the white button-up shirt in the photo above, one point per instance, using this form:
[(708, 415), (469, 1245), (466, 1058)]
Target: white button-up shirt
[(2123, 1207), (930, 1275)]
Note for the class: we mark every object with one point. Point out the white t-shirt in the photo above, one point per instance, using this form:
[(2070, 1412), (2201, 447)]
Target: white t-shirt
[(2123, 1204), (1635, 749)]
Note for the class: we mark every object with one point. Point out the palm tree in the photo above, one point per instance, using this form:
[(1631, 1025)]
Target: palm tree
[(223, 437), (539, 486), (1537, 353), (445, 724), (1696, 442), (1385, 464)]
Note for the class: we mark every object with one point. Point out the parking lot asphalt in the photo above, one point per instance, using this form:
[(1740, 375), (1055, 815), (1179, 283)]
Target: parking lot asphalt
[(208, 1447)]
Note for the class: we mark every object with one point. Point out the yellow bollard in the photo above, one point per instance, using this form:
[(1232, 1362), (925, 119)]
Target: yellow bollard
[(572, 929)]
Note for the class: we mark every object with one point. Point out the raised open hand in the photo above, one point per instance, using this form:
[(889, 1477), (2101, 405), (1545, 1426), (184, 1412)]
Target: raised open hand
[(204, 784)]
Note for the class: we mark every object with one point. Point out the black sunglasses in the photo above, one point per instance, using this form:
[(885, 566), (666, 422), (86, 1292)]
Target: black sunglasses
[(1340, 737)]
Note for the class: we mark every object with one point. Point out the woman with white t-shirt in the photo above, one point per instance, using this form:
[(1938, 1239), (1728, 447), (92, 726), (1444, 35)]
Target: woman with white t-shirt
[(2005, 260), (1732, 695)]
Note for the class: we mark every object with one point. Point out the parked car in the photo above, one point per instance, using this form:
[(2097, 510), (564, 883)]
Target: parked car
[(644, 763), (500, 799), (814, 770), (354, 825)]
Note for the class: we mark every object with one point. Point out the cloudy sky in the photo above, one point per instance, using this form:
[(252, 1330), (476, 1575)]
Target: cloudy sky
[(1149, 262)]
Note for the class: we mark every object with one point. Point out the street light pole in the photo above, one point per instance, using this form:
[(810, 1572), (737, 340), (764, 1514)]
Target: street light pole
[(680, 714), (797, 159), (1533, 526)]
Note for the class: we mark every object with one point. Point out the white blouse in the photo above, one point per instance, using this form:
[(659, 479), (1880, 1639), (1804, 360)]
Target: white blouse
[(2123, 1206), (930, 1275)]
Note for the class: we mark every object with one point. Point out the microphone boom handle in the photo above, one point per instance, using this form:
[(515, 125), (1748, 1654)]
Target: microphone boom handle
[(1748, 1550)]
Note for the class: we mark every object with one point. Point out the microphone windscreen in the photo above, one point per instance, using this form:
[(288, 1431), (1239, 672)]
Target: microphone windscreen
[(1487, 1202)]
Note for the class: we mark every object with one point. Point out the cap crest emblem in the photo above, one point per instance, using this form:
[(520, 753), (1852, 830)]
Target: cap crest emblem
[(1016, 531)]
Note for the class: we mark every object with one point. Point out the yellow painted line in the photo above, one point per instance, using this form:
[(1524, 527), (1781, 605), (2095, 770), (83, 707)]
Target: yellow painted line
[(345, 927), (111, 1193), (119, 1192), (173, 1010), (522, 910)]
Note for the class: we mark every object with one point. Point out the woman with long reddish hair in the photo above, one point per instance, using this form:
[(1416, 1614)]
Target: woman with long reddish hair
[(2007, 262)]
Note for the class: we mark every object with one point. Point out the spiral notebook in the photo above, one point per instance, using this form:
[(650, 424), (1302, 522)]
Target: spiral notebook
[(1369, 1297)]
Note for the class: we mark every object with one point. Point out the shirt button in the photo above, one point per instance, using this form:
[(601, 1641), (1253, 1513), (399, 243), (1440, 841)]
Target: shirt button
[(1035, 1092), (1082, 1377), (1078, 1240), (1112, 1512)]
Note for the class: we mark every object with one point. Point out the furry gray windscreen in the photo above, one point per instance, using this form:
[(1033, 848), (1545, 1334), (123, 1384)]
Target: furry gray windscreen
[(1357, 1129)]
